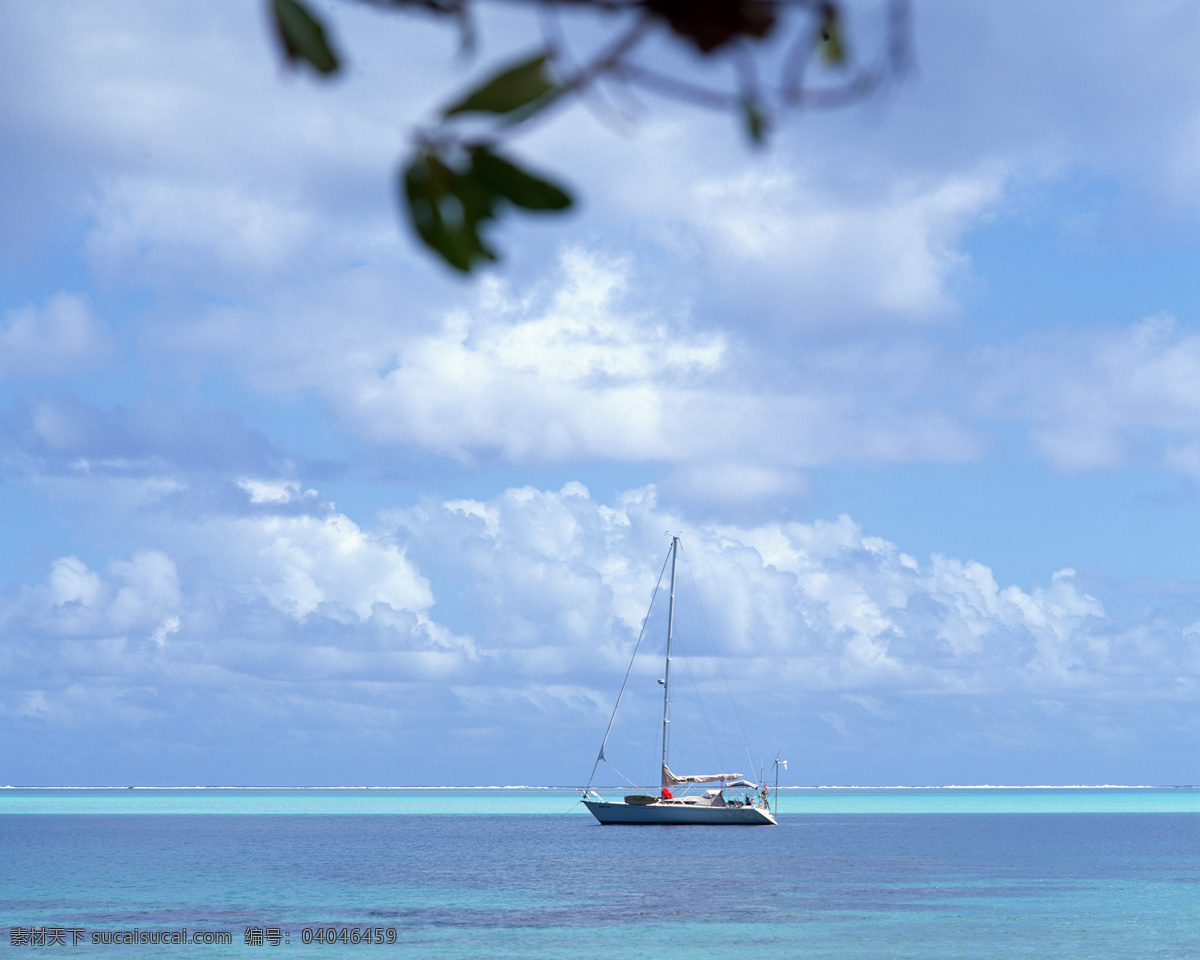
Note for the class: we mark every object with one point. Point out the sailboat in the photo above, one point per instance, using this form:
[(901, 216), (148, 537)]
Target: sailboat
[(709, 808)]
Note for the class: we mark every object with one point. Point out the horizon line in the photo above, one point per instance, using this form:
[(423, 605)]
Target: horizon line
[(947, 786)]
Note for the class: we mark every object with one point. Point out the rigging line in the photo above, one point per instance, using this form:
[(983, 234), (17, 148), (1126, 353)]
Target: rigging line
[(645, 620), (686, 764), (720, 663), (621, 775), (710, 745), (713, 753)]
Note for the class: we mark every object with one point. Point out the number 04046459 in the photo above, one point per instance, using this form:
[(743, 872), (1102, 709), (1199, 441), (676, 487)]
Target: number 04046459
[(348, 935)]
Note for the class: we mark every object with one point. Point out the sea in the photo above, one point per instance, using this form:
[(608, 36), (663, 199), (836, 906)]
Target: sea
[(981, 872)]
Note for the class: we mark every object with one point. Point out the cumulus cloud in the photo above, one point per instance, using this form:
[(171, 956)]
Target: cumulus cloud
[(62, 336), (727, 334), (487, 620), (551, 587), (299, 563), (274, 491), (574, 370), (556, 576), (575, 377), (784, 242), (164, 229), (311, 605), (730, 319), (891, 257), (135, 598), (1103, 398)]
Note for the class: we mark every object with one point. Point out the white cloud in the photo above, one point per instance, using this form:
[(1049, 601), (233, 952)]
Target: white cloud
[(577, 376), (725, 329), (575, 369), (890, 257), (61, 337), (554, 579), (150, 589), (1103, 398), (274, 491), (550, 587), (484, 620), (732, 484), (163, 228), (992, 93), (72, 582), (169, 626), (299, 563), (784, 241), (76, 601), (732, 318)]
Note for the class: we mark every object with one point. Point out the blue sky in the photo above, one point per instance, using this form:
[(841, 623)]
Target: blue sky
[(919, 385)]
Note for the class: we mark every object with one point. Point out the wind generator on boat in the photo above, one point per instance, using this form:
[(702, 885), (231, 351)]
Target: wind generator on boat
[(709, 808)]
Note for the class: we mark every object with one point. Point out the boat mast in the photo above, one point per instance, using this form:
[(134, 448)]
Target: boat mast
[(670, 632)]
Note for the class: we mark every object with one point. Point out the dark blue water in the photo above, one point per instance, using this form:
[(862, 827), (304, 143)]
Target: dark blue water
[(531, 886)]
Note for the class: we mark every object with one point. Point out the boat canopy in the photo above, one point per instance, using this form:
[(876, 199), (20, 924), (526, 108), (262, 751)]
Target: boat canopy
[(748, 784), (669, 779)]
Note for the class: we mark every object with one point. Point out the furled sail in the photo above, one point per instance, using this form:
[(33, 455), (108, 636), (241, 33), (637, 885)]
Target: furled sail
[(669, 779)]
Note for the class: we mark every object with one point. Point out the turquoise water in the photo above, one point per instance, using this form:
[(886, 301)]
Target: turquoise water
[(980, 873), (433, 801), (483, 801)]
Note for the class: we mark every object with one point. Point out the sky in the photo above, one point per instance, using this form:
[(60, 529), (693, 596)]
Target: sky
[(917, 385)]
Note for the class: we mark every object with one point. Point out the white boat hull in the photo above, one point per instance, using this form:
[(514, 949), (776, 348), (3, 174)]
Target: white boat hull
[(608, 811)]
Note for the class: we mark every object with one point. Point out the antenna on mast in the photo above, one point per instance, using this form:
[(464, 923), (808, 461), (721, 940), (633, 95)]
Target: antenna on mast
[(778, 763)]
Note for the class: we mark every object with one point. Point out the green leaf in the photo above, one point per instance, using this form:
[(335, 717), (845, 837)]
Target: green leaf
[(521, 85), (755, 120), (303, 36), (517, 186), (450, 203), (446, 210), (832, 41)]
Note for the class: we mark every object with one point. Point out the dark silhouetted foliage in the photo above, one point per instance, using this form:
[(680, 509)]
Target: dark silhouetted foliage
[(456, 183)]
